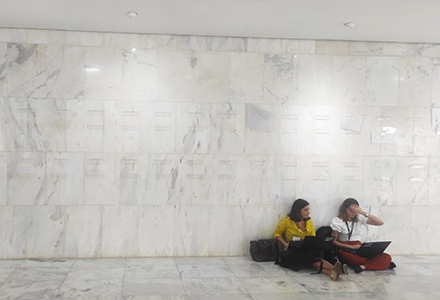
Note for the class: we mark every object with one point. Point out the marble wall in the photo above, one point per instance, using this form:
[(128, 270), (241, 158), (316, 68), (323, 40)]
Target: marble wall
[(152, 145)]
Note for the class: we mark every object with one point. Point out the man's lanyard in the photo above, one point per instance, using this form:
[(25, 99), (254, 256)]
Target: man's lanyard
[(350, 232)]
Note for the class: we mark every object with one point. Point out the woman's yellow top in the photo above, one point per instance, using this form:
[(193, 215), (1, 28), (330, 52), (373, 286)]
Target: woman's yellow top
[(287, 229)]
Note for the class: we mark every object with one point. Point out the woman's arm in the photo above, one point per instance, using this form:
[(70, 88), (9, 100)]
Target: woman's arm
[(372, 220), (281, 240), (342, 245)]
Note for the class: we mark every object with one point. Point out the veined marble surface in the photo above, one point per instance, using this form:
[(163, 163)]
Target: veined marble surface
[(117, 145), (219, 278)]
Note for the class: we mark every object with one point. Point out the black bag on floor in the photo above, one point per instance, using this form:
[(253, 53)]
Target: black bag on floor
[(330, 256), (264, 250)]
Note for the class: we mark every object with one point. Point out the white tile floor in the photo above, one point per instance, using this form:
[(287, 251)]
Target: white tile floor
[(217, 278)]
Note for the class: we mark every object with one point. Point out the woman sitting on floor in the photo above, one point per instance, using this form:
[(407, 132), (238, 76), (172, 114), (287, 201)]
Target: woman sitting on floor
[(347, 232), (298, 225)]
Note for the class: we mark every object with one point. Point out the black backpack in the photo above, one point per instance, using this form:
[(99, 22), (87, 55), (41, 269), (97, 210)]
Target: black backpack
[(330, 256)]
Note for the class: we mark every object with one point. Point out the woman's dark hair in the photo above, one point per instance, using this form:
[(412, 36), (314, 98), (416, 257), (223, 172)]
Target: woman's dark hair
[(295, 212), (342, 209)]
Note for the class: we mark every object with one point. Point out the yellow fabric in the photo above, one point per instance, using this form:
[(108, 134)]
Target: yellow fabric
[(288, 229)]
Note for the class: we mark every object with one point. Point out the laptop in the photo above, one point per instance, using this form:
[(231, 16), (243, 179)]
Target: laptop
[(370, 250), (315, 243)]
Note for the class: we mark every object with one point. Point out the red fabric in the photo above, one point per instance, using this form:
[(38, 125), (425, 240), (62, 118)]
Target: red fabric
[(379, 263)]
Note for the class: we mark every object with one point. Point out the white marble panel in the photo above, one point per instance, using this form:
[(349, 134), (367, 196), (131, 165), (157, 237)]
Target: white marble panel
[(260, 222), (82, 38), (328, 138), (315, 79), (323, 214), (101, 179), (380, 180), (46, 124), (103, 73), (426, 139), (65, 72), (262, 129), (227, 131), (332, 47), (193, 127), (120, 231), (428, 50), (366, 48), (197, 178), (182, 42), (26, 178), (435, 90), (434, 181), (349, 79), (85, 131), (246, 77), (256, 180), (228, 176), (57, 37), (156, 230), (415, 82), (399, 49), (124, 40), (3, 70), (14, 35), (65, 178), (35, 125), (83, 231), (286, 168), (298, 46), (412, 181), (121, 126), (228, 44), (3, 178), (346, 178), (263, 45), (226, 221), (402, 119), (157, 123), (313, 183), (280, 78), (296, 129), (176, 76), (191, 229), (382, 80), (211, 77), (15, 221), (166, 182), (45, 238), (5, 144), (140, 74), (359, 142), (27, 69), (134, 178), (425, 241), (396, 229)]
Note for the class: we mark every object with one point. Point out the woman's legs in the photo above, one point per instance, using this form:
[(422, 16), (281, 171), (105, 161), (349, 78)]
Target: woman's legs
[(327, 268), (380, 262)]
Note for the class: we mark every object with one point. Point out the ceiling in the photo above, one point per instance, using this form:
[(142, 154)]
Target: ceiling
[(376, 20)]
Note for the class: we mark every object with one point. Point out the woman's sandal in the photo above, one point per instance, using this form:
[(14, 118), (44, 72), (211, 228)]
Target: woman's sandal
[(345, 269), (337, 270)]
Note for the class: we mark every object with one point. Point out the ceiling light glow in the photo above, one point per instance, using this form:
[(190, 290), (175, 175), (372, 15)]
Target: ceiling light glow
[(132, 14), (350, 25)]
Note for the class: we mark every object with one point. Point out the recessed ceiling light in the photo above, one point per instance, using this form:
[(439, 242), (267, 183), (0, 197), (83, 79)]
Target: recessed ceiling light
[(350, 25), (132, 14)]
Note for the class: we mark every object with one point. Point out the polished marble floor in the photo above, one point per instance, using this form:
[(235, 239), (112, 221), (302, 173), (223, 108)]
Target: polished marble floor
[(217, 278)]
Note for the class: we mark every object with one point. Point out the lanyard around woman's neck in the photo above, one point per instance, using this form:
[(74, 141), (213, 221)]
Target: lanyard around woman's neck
[(350, 232)]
